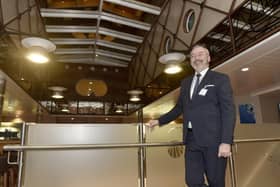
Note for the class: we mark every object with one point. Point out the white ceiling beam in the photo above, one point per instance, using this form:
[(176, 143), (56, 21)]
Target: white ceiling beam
[(104, 43), (70, 29), (137, 5), (72, 51), (64, 13), (121, 35), (92, 29), (91, 60)]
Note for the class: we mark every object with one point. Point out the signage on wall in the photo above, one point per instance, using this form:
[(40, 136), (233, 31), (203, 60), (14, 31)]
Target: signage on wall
[(247, 114)]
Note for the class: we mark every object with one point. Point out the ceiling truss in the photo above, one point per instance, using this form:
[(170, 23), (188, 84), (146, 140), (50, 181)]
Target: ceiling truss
[(90, 46)]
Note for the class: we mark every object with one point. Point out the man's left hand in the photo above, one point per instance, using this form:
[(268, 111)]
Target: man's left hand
[(224, 150)]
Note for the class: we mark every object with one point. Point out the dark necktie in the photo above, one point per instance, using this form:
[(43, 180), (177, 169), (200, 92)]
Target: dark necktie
[(196, 84)]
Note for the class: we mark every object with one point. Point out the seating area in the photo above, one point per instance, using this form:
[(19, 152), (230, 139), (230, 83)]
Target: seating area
[(7, 173)]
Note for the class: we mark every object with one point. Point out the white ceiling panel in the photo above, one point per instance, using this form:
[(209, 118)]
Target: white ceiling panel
[(225, 6)]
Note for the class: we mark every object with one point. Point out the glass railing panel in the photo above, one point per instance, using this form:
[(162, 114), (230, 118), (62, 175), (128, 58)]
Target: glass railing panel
[(72, 168), (258, 164), (165, 165)]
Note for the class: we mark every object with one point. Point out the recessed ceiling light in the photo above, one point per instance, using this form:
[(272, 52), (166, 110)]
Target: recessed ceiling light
[(172, 61), (38, 49), (67, 66), (37, 57), (134, 95), (65, 110), (119, 109), (92, 68), (245, 69), (57, 95), (134, 98), (57, 91), (172, 69)]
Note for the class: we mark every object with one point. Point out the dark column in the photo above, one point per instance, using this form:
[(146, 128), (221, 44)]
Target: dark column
[(2, 92)]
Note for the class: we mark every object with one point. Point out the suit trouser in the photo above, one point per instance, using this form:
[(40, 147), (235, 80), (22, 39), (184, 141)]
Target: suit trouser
[(203, 160)]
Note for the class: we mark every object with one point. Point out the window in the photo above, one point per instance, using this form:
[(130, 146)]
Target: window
[(189, 19), (167, 44)]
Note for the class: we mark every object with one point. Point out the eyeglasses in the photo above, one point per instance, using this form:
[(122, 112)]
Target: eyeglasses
[(200, 54)]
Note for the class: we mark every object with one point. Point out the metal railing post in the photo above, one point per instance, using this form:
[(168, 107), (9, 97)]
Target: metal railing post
[(20, 159), (141, 150), (232, 169)]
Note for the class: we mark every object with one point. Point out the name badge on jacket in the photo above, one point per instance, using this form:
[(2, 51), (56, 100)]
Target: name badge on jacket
[(203, 92)]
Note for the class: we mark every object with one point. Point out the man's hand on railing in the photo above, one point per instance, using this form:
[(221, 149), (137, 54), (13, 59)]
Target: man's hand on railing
[(152, 123)]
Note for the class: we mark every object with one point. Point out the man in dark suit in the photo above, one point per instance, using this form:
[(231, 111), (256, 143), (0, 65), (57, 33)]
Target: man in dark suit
[(206, 102)]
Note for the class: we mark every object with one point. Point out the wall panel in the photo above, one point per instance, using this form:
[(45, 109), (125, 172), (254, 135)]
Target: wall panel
[(164, 14), (208, 21), (187, 37), (9, 10), (24, 23), (225, 6), (174, 15), (157, 37)]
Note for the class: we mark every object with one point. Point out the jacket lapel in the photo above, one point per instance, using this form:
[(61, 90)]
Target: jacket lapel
[(188, 88)]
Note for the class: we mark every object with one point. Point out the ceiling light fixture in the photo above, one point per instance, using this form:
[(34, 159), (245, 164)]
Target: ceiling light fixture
[(37, 55), (134, 95), (119, 109), (57, 92), (172, 68), (245, 69), (172, 62), (38, 49), (65, 108)]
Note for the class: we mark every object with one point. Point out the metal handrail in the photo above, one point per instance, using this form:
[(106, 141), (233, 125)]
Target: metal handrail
[(255, 140), (86, 146), (111, 146), (22, 148)]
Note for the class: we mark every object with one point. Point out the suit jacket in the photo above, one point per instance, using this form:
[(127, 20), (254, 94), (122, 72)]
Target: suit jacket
[(212, 114)]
